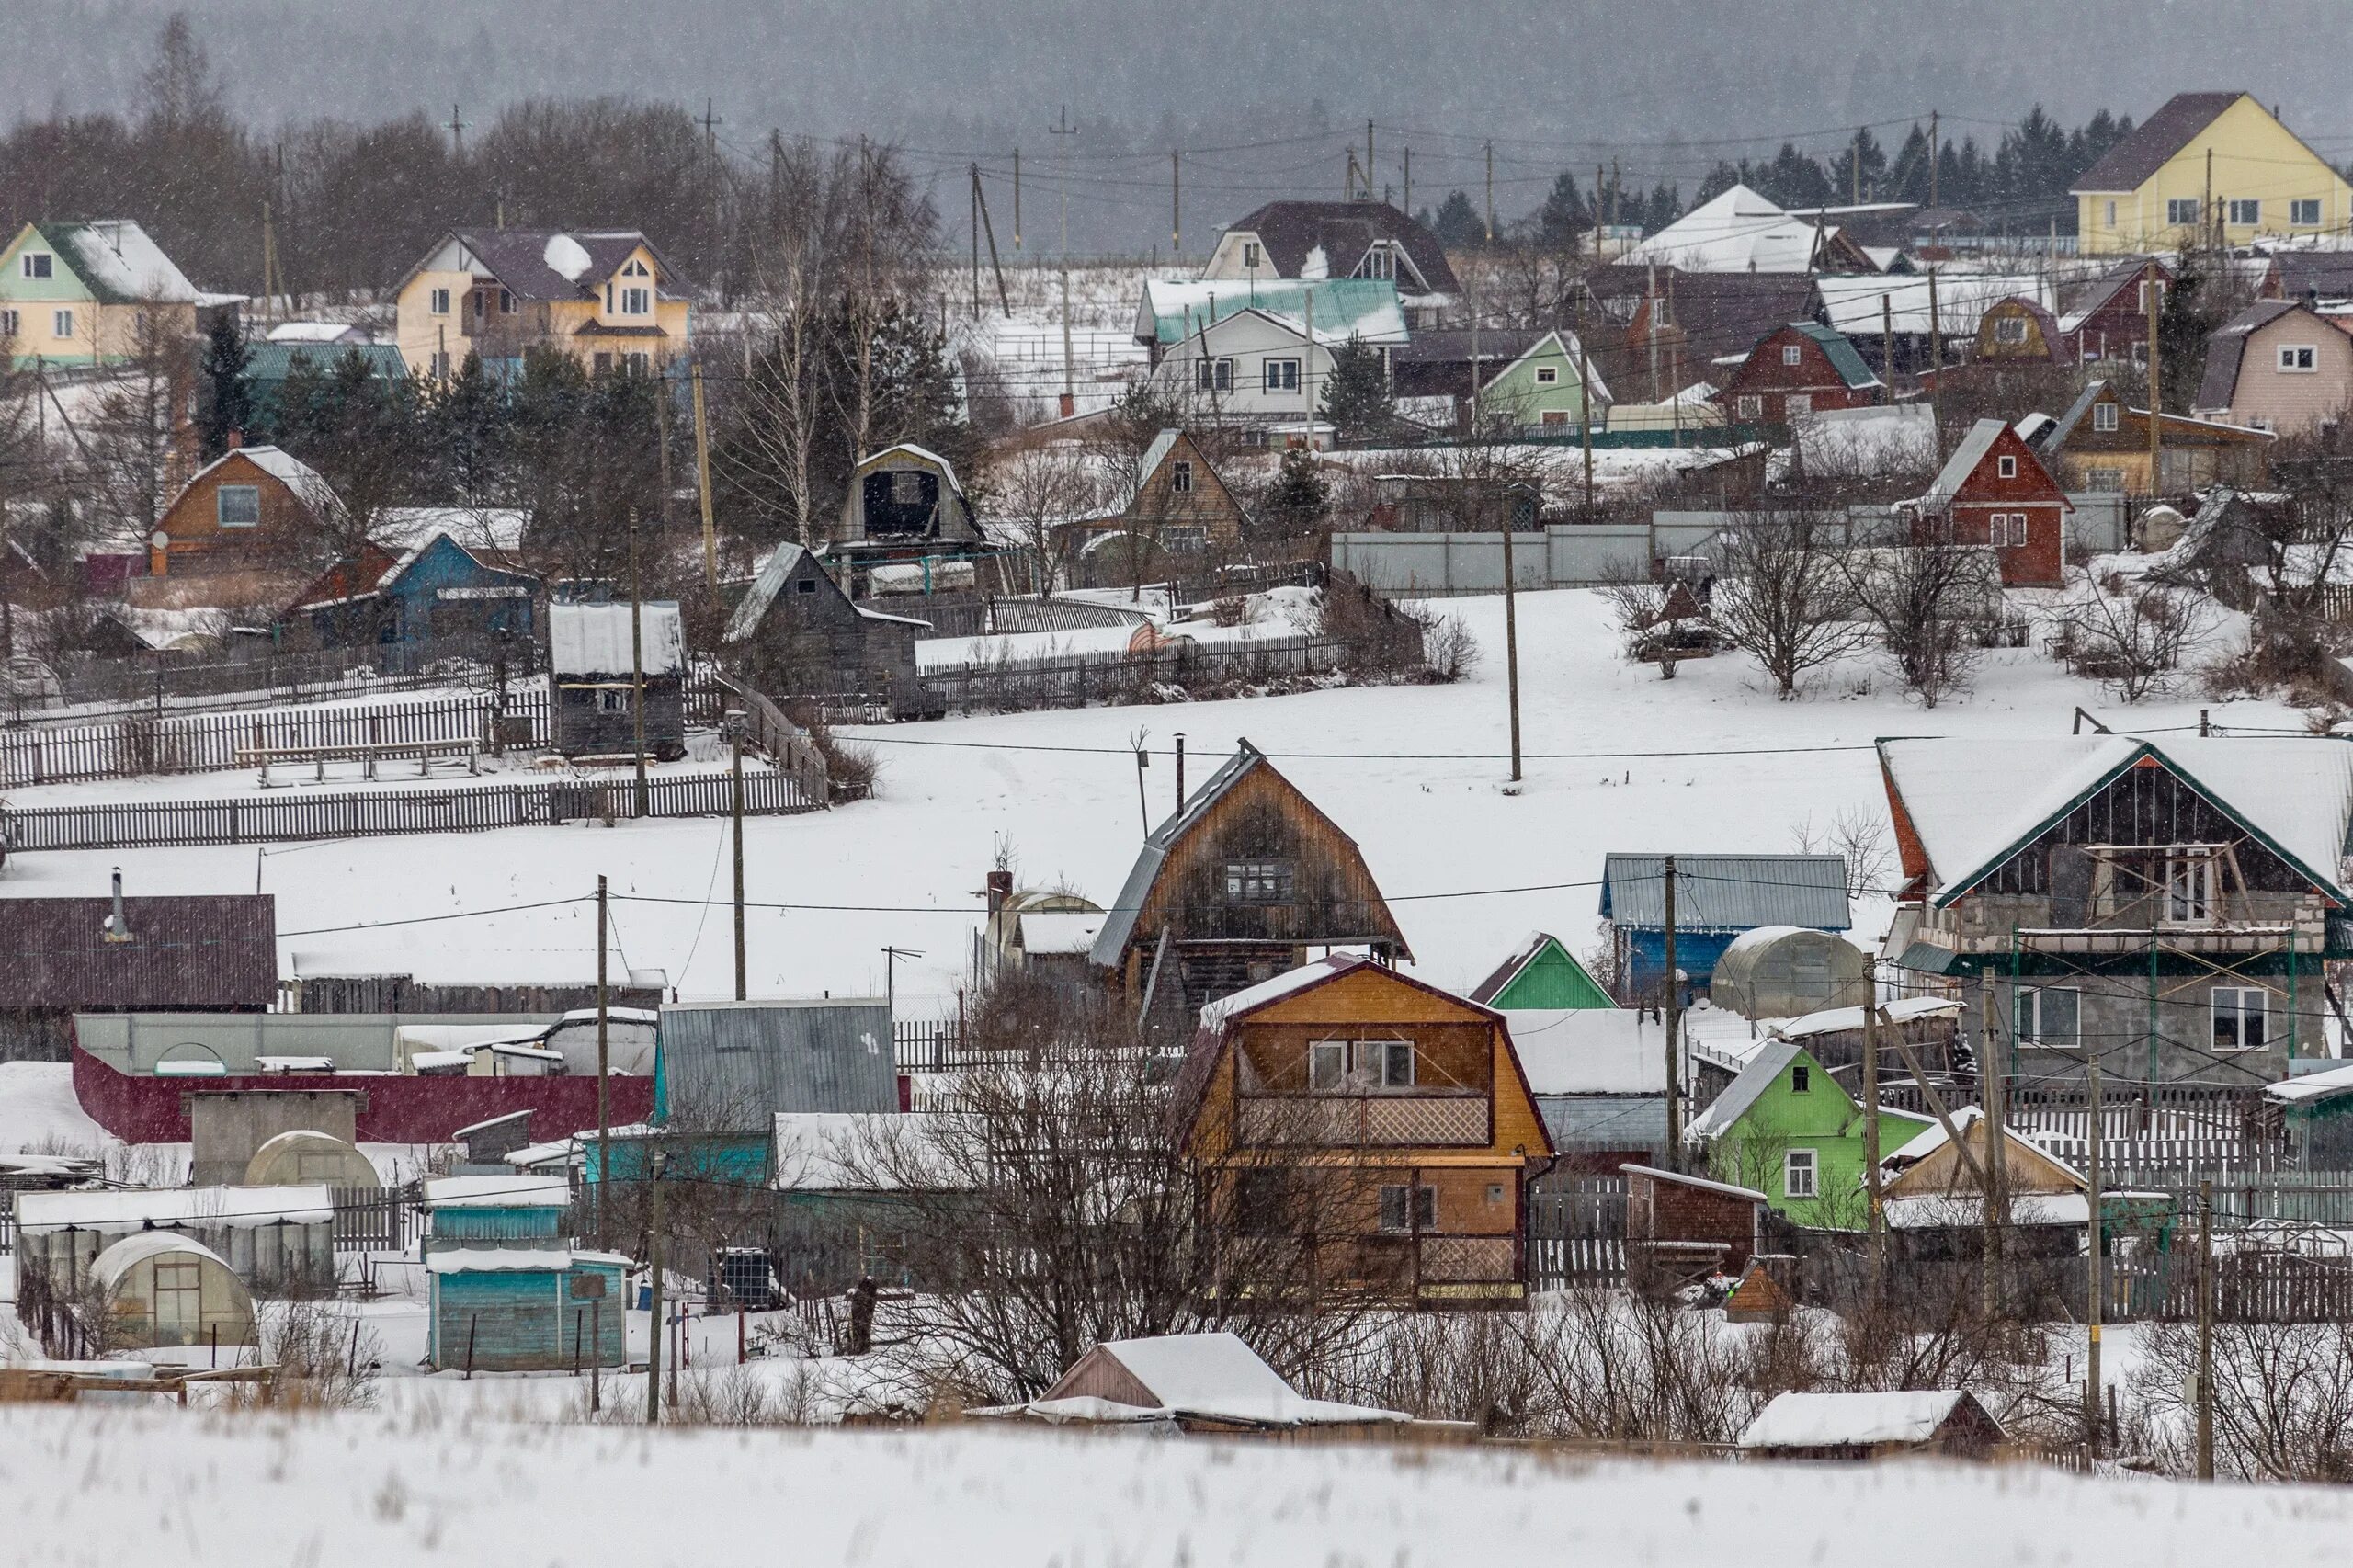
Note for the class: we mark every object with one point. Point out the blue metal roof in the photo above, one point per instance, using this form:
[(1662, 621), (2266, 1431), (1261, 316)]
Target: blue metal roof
[(1727, 893)]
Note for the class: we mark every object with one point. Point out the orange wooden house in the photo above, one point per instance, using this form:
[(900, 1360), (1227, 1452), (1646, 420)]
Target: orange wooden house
[(251, 509), (1384, 1122)]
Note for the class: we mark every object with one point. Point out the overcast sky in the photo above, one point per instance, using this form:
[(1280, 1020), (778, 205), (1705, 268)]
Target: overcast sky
[(1663, 85)]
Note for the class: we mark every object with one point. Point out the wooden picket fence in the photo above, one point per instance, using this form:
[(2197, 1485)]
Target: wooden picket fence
[(461, 809), (1576, 1232)]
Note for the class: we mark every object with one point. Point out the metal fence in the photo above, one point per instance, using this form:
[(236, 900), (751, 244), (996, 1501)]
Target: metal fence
[(461, 809)]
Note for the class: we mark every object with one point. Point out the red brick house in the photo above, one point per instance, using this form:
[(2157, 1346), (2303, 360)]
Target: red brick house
[(2109, 319), (1994, 491), (1795, 370)]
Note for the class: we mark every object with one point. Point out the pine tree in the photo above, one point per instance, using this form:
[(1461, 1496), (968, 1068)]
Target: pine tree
[(1356, 398), (1459, 222), (1563, 218), (1296, 501), (225, 402)]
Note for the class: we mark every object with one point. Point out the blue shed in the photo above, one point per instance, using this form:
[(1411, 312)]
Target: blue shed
[(1717, 897), (497, 1211), (524, 1308), (438, 588)]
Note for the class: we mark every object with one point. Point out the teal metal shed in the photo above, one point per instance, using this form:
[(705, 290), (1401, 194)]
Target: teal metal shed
[(524, 1308)]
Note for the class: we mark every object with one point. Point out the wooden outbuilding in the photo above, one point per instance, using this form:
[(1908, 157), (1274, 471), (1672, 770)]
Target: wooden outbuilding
[(1194, 1382), (524, 1308), (796, 634), (1247, 880), (1947, 1422), (904, 502), (590, 665), (1682, 1227)]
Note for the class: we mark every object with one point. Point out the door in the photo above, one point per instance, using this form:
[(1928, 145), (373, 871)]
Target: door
[(180, 1302)]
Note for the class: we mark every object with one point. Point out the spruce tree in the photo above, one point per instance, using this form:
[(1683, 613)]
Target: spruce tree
[(1298, 499), (1356, 398), (225, 402)]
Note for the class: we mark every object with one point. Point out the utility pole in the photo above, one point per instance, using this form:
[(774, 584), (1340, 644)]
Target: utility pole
[(653, 1347), (457, 129), (1063, 127), (1176, 203), (1672, 1014), (1887, 342), (604, 1070), (1180, 770), (890, 956), (1854, 170), (268, 263), (1584, 406), (662, 451), (2156, 398), (645, 796), (2206, 1329), (1409, 182), (2096, 1277), (1993, 1082), (702, 484), (1368, 160), (1932, 163), (1016, 201), (1491, 193), (1936, 362), (1875, 1219), (976, 241), (737, 737)]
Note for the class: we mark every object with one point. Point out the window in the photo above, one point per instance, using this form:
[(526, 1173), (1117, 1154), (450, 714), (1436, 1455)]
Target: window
[(37, 263), (600, 364), (1383, 1064), (2009, 329), (1801, 1080), (60, 324), (1797, 1173), (1379, 262), (2246, 214), (612, 700), (2104, 417), (1393, 1217), (2005, 468), (505, 301), (1548, 375), (1185, 538), (638, 363), (1282, 375), (637, 302), (2145, 285), (438, 302), (1748, 410), (1327, 1066), (2109, 217), (438, 365), (2239, 1021), (1258, 882), (635, 269), (1250, 254), (1792, 354), (1797, 405), (1553, 417), (1213, 375), (2295, 358), (2182, 211), (805, 586), (1496, 1192), (906, 487), (2106, 480), (237, 506), (2049, 1017), (2139, 353), (8, 324), (608, 299), (2007, 530), (2190, 889), (2304, 212), (1180, 476)]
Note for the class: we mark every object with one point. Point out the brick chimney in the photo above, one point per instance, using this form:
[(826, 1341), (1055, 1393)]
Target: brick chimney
[(236, 439)]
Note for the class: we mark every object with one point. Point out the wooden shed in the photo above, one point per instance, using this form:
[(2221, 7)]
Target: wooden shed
[(903, 501), (1196, 1382), (505, 1210), (163, 1289), (590, 663), (1683, 1227), (301, 1157), (795, 633), (1947, 1422), (523, 1309)]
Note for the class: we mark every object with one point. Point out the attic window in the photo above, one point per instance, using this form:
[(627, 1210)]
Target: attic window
[(2006, 467), (2299, 358), (806, 586), (1801, 1080), (2009, 329), (438, 302), (635, 269), (237, 506), (1251, 255), (2104, 417), (1791, 353), (1380, 261), (1548, 375), (1180, 477), (505, 301), (1258, 882), (906, 487), (38, 263)]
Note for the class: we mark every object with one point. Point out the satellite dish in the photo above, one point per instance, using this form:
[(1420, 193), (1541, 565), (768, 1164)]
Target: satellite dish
[(160, 540)]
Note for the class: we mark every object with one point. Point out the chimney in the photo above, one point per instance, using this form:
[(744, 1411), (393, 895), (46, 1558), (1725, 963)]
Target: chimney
[(236, 439), (116, 928), (1000, 889), (1069, 404)]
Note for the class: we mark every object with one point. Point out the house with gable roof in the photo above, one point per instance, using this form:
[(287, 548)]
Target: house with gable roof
[(1315, 240), (1741, 231), (1994, 491), (250, 509), (2107, 319), (1173, 503), (2279, 365), (2166, 904), (904, 503), (605, 297), (435, 590), (1795, 370), (2101, 443), (1246, 880), (2153, 189), (75, 293), (1786, 1127), (795, 633)]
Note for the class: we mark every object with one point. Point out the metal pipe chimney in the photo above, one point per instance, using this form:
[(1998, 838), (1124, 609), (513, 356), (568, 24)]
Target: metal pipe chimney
[(118, 929)]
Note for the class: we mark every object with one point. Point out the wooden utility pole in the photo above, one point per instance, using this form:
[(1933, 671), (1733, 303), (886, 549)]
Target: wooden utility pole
[(1491, 193), (2156, 396), (1993, 1082), (1932, 163), (1409, 182), (1887, 342), (644, 794), (1672, 1016), (1368, 160), (604, 1070), (988, 232), (1016, 201), (1936, 362), (702, 485), (1875, 1219), (661, 452), (737, 737), (1585, 408), (2206, 1329), (653, 1247), (268, 263), (975, 203), (1176, 203), (2095, 1270)]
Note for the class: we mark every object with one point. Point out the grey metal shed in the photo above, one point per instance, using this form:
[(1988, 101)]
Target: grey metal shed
[(733, 1065)]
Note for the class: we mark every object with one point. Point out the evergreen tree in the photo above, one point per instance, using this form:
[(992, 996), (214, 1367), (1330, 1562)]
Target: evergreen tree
[(1663, 207), (1563, 217), (224, 399), (1458, 224), (1299, 498), (466, 432), (1356, 398)]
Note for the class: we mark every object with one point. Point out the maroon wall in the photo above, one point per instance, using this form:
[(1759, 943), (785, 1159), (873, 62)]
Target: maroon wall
[(139, 1109)]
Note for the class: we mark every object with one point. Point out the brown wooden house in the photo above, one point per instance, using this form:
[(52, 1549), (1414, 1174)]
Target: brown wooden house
[(1383, 1122), (2102, 443), (1681, 1227), (2018, 330), (2108, 318), (254, 509), (1178, 507), (1994, 491), (1247, 879), (1795, 370)]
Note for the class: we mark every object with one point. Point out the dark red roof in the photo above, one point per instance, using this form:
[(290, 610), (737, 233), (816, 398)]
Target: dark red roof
[(200, 951)]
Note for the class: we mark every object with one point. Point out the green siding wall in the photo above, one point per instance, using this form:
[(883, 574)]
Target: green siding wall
[(1552, 979), (1821, 1118), (525, 1320)]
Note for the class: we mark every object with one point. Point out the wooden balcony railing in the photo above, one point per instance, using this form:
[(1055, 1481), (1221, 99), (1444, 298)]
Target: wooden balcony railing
[(1376, 1121)]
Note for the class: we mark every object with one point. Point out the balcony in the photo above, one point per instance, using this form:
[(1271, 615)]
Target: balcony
[(1425, 1121)]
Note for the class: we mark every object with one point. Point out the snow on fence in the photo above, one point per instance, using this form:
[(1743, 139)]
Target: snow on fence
[(464, 808), (162, 678), (1074, 681), (207, 743)]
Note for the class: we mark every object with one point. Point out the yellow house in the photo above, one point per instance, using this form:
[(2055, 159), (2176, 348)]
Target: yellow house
[(2208, 167), (605, 297), (75, 293)]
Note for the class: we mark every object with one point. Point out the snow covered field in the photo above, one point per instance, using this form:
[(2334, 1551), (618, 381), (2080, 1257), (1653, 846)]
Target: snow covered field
[(1414, 773), (159, 1484)]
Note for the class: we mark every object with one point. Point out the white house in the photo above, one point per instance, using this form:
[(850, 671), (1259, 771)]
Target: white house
[(1253, 365)]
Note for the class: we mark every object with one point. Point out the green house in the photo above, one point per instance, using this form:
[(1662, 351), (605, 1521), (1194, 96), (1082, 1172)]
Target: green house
[(1542, 389), (1541, 973), (1787, 1129)]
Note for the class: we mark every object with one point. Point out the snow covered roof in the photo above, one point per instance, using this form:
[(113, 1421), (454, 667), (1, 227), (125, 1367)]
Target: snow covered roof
[(1966, 456), (1827, 1420), (1727, 893), (753, 607), (497, 1192), (1834, 1020), (1737, 232), (1684, 1178), (139, 1208), (1215, 1377), (1861, 306), (473, 527), (547, 263), (517, 1260), (1973, 803), (1342, 307), (593, 639), (1217, 1014), (1589, 1050), (1744, 1091), (308, 485), (1941, 1211), (1061, 932), (2322, 1086), (1301, 236), (119, 264), (317, 332)]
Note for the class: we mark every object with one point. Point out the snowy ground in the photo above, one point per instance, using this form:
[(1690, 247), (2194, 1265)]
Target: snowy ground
[(102, 1487), (1414, 773)]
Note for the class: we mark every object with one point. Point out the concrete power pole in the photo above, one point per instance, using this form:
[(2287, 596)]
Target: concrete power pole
[(1672, 1015), (604, 1069)]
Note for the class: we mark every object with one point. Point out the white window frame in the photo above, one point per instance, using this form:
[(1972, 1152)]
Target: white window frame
[(38, 265), (2110, 216), (2244, 212), (2027, 1010), (637, 301), (1548, 375), (1796, 405), (1395, 1221), (1793, 353), (2181, 212), (436, 301), (1327, 1066), (506, 302), (2303, 212), (2006, 466), (60, 324), (1281, 373), (2299, 358), (2143, 296), (1748, 409), (1252, 256), (2009, 329), (2189, 891), (1180, 476), (2104, 481), (221, 512), (2232, 1017), (2104, 418), (1382, 1064), (1801, 1173), (1213, 375), (11, 323)]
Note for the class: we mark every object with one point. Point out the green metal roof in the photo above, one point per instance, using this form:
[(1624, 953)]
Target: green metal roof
[(1366, 306), (1843, 358), (271, 362)]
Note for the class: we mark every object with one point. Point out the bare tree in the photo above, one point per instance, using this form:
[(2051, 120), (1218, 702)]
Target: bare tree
[(1040, 489), (1783, 595), (135, 434), (2283, 1397), (1926, 602), (2133, 637), (1860, 838)]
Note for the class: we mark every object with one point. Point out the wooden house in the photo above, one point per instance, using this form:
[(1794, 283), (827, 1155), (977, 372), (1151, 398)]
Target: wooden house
[(252, 509), (904, 503), (1374, 1117), (1787, 1129), (1177, 504), (1246, 880), (595, 677), (2019, 331), (1543, 974), (2208, 169), (507, 1309), (1433, 503), (795, 633), (2277, 365), (1599, 1069), (1195, 1382), (2162, 902), (2108, 318), (496, 1211), (2101, 443), (439, 589), (607, 297), (1314, 240), (1994, 491), (1253, 365), (88, 294), (1794, 371), (1717, 898), (1675, 326), (1527, 379), (1946, 1423), (194, 952), (1681, 1227)]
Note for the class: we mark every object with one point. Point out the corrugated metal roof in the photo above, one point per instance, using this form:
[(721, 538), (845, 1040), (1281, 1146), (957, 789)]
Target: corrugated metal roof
[(1843, 358), (1367, 307), (736, 1065), (198, 951), (1965, 460), (271, 362), (1727, 893)]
